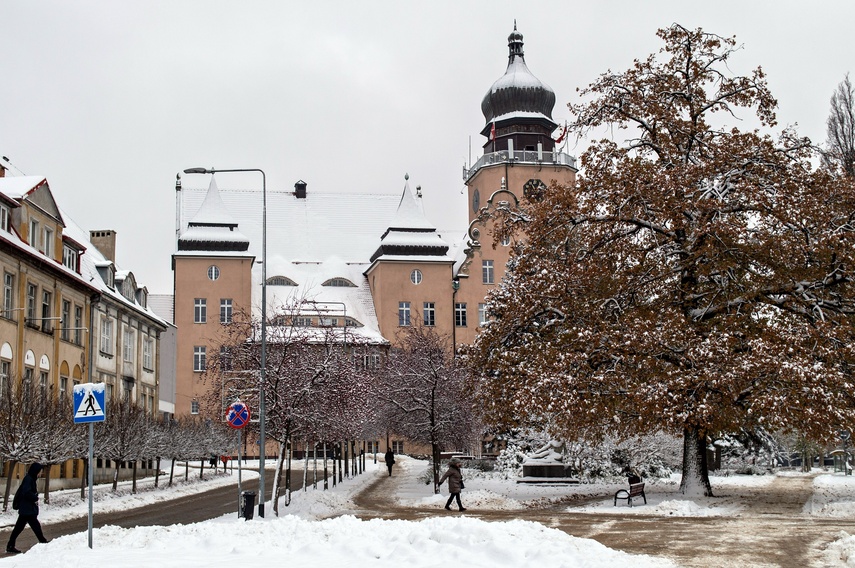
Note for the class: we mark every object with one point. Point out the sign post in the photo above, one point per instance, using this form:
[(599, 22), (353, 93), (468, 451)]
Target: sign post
[(237, 415), (88, 408)]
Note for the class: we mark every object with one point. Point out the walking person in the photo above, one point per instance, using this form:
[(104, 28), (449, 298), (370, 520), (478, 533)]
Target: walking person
[(455, 483), (390, 460), (26, 501)]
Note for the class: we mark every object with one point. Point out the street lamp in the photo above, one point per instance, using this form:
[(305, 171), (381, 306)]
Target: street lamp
[(261, 433)]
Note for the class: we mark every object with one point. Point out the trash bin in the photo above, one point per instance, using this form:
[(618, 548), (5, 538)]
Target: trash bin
[(247, 504)]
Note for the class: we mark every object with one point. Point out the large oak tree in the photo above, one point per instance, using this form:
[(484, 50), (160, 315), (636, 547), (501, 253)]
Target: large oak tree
[(698, 278)]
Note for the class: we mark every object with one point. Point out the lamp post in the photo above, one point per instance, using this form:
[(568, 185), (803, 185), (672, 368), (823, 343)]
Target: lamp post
[(261, 416)]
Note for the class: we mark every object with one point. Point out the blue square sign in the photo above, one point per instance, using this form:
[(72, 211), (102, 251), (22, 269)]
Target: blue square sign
[(89, 403)]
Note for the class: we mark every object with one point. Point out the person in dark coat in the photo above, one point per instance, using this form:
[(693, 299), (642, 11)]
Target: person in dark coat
[(390, 460), (455, 483), (26, 501)]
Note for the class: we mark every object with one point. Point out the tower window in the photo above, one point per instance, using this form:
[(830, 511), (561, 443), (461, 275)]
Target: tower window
[(487, 271), (429, 313), (416, 276), (403, 313), (460, 314), (213, 272)]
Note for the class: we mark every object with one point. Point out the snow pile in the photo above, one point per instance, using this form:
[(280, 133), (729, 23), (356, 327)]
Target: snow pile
[(832, 497)]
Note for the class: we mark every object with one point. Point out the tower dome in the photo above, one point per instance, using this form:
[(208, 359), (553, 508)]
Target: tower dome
[(518, 93)]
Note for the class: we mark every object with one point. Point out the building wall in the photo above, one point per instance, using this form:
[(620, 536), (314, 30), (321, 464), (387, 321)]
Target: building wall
[(391, 283), (192, 282)]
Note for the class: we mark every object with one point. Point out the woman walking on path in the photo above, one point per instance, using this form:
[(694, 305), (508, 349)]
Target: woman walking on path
[(390, 460), (26, 501), (455, 483)]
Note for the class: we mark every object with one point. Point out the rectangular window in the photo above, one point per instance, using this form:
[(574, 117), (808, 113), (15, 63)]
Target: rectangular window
[(48, 242), (403, 313), (200, 310), (303, 322), (398, 447), (372, 447), (65, 334), (106, 336), (43, 383), (199, 362), (487, 271), (148, 354), (460, 314), (194, 407), (69, 258), (34, 234), (78, 324), (429, 313), (5, 219), (128, 346), (482, 314), (370, 361), (8, 294), (5, 369), (226, 310), (327, 322), (63, 386), (32, 291), (47, 323)]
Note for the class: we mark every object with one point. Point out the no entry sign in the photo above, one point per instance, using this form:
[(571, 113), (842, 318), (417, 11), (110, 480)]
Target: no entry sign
[(237, 414)]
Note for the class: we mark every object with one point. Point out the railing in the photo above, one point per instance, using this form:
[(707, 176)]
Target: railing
[(520, 157)]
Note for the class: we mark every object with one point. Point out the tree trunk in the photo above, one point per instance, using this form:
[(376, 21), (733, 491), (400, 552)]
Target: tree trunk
[(47, 484), (84, 479), (288, 450), (434, 450), (202, 468), (305, 465), (157, 473), (696, 479), (116, 477), (326, 482), (277, 479), (12, 465), (134, 481), (171, 472)]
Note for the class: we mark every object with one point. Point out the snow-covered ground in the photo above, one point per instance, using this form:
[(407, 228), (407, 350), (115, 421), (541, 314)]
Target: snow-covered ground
[(304, 535)]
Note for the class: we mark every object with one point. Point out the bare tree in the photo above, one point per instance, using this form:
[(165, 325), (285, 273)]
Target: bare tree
[(427, 393), (839, 155), (18, 426), (59, 439)]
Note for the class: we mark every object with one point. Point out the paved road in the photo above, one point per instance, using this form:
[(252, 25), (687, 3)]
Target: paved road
[(183, 510)]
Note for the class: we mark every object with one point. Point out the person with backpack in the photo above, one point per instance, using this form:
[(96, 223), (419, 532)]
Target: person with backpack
[(26, 502), (390, 460)]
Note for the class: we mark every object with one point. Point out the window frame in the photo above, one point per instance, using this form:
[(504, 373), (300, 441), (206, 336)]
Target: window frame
[(404, 314), (460, 314), (226, 310), (200, 310), (105, 345), (482, 314), (8, 294), (200, 355), (128, 340), (488, 275), (429, 313), (148, 354)]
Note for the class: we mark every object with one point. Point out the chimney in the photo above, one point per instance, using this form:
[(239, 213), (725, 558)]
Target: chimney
[(300, 190), (105, 242)]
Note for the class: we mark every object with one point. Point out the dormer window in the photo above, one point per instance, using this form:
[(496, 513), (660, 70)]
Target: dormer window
[(142, 297), (340, 282), (47, 242), (107, 272), (34, 233), (70, 258), (280, 281)]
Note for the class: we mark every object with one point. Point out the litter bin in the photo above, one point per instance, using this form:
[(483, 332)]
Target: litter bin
[(247, 504)]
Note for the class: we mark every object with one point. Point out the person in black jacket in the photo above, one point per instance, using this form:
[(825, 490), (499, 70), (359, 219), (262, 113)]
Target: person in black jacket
[(390, 460), (26, 501)]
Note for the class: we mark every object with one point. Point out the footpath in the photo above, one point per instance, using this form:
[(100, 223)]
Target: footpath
[(771, 531)]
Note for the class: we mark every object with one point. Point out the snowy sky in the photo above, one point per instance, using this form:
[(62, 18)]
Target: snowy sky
[(110, 100)]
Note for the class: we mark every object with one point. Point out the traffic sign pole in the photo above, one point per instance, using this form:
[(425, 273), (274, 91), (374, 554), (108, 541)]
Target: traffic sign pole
[(91, 475)]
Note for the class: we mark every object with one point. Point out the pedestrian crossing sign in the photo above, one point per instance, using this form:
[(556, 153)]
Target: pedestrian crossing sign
[(89, 403)]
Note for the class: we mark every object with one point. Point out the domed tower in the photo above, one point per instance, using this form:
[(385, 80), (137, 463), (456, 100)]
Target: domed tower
[(518, 107), (520, 162)]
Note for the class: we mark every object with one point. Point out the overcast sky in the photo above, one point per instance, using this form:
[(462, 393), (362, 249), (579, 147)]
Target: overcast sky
[(109, 100)]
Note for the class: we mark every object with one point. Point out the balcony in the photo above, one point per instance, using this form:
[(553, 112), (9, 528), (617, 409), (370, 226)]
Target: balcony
[(520, 157)]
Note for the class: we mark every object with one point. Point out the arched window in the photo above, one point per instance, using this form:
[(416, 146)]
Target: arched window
[(340, 282), (280, 281)]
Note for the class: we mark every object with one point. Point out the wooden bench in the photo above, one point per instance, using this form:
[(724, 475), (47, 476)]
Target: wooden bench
[(635, 490)]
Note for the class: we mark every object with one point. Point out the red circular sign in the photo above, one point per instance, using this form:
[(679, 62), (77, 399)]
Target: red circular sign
[(237, 415)]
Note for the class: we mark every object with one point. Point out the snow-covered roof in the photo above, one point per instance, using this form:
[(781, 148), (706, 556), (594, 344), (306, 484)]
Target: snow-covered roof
[(17, 187), (92, 260)]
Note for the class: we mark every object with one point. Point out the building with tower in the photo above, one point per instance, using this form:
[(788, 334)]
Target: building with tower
[(373, 263)]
